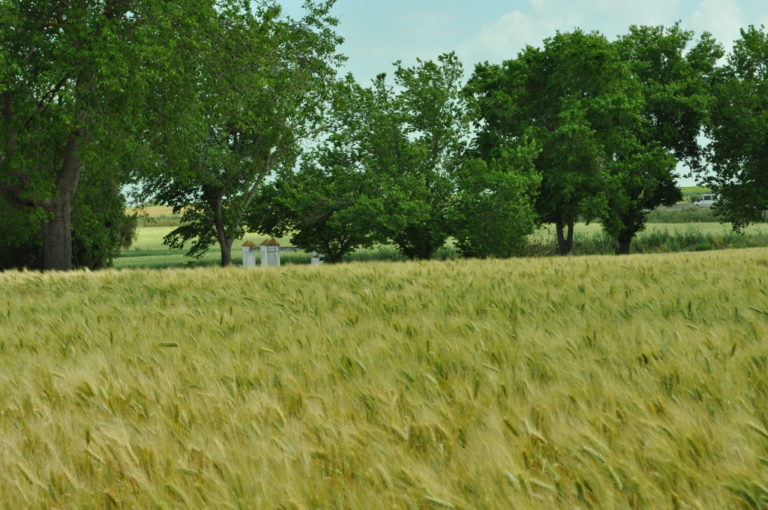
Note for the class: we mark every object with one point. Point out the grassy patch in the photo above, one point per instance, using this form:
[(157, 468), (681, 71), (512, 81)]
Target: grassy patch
[(694, 189)]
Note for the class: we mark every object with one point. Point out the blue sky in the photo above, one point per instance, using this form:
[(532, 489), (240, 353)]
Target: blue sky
[(379, 32)]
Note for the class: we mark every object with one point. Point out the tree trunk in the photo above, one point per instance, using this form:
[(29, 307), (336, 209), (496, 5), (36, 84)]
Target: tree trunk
[(564, 240), (560, 237), (624, 245), (569, 239), (57, 236), (226, 252), (225, 242), (57, 230)]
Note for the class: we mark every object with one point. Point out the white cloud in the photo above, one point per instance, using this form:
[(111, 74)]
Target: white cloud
[(505, 37), (430, 25), (722, 18)]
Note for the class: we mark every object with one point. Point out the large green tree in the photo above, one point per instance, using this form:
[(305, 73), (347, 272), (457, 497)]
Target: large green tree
[(672, 77), (568, 96), (332, 203), (386, 168), (259, 82), (738, 128), (75, 77), (414, 149), (612, 118)]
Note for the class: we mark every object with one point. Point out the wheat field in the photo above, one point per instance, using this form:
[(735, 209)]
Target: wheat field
[(589, 382)]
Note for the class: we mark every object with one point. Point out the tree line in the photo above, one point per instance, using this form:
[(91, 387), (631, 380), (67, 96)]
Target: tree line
[(236, 116)]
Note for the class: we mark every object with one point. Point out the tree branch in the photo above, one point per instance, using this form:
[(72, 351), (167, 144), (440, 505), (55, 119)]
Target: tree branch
[(254, 188), (10, 139), (12, 195), (41, 107)]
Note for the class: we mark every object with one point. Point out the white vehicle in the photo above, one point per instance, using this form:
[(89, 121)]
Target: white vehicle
[(707, 200)]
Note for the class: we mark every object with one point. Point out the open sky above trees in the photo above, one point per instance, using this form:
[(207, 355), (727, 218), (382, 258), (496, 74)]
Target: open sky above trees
[(379, 33)]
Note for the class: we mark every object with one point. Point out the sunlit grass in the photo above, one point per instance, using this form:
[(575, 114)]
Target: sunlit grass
[(589, 382), (151, 211), (706, 228), (151, 238)]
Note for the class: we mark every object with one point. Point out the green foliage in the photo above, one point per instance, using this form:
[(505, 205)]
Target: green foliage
[(332, 209), (19, 238), (674, 74), (738, 128), (428, 129), (495, 203), (101, 229)]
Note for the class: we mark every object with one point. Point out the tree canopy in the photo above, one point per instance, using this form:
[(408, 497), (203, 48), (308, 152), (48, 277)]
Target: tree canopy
[(570, 96), (75, 78), (738, 128), (232, 113), (259, 84), (613, 119)]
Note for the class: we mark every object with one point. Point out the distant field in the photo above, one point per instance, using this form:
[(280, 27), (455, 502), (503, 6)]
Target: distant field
[(155, 216), (694, 189), (148, 250), (582, 382), (152, 211)]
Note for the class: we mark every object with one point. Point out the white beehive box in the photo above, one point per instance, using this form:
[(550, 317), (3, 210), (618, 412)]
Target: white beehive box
[(249, 254), (270, 253)]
